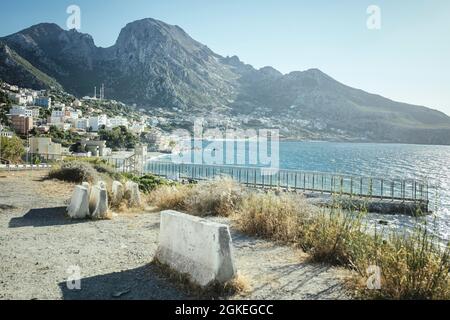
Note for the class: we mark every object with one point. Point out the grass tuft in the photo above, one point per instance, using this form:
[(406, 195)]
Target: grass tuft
[(236, 286), (413, 266)]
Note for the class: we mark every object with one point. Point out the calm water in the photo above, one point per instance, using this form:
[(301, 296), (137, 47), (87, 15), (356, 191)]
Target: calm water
[(431, 163)]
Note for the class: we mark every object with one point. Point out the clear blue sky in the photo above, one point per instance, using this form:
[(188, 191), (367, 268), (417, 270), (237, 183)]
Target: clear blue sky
[(407, 60)]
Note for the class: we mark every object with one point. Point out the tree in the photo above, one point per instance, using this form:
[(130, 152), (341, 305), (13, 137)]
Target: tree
[(5, 104), (118, 138), (11, 149)]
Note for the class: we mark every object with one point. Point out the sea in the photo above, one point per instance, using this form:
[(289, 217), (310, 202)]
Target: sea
[(429, 163)]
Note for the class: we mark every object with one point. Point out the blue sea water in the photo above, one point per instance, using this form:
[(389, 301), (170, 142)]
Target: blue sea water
[(390, 161)]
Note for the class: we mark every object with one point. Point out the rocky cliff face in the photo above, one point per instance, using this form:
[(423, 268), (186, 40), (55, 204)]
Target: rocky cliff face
[(155, 64)]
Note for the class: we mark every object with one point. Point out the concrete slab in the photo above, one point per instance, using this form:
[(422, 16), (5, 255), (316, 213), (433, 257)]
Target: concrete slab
[(197, 247)]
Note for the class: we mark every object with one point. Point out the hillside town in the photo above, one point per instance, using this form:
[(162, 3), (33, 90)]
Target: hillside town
[(52, 124)]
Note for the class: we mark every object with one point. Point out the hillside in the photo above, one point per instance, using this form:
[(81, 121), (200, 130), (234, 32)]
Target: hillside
[(154, 64)]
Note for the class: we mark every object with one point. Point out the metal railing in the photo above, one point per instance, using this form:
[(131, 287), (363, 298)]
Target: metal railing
[(320, 182)]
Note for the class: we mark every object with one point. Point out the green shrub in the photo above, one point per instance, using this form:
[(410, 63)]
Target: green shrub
[(106, 169), (148, 182)]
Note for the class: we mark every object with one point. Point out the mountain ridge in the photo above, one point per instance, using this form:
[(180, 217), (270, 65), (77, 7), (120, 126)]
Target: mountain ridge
[(154, 64)]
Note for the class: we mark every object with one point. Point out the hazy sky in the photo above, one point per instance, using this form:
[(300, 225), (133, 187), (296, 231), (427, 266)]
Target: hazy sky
[(407, 60)]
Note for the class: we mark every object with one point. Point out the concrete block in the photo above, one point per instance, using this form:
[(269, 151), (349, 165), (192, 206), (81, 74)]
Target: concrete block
[(98, 203), (197, 247), (79, 203), (133, 193), (102, 184), (117, 192), (87, 185)]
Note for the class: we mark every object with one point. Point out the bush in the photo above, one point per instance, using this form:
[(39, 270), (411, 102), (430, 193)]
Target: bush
[(11, 149), (107, 170), (274, 217), (170, 197), (220, 197), (148, 182), (74, 171)]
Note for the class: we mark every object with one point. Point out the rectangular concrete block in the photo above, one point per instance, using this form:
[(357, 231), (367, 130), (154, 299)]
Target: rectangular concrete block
[(197, 247)]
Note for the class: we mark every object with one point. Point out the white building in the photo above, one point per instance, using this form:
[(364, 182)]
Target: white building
[(137, 127), (23, 111), (18, 98), (117, 122), (82, 123), (95, 123), (17, 110), (57, 117), (62, 125), (7, 134)]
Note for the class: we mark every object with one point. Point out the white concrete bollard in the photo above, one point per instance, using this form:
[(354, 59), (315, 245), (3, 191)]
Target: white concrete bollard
[(132, 190), (117, 192), (79, 204), (98, 204), (87, 185), (197, 247), (102, 184)]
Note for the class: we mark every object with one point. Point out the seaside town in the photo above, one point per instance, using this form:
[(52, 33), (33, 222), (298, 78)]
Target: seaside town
[(51, 124)]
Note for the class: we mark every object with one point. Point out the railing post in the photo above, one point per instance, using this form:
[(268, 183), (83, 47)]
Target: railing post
[(322, 184), (295, 182), (351, 187)]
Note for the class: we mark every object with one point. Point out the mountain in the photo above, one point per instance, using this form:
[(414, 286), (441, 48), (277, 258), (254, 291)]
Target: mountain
[(154, 64), (15, 69)]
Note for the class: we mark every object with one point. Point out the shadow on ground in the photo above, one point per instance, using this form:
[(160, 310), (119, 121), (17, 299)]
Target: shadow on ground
[(143, 283), (43, 217)]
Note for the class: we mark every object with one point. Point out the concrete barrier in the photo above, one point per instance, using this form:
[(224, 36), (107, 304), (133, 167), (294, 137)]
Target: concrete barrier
[(98, 203), (102, 184), (87, 185), (197, 247), (117, 192), (133, 193), (79, 203)]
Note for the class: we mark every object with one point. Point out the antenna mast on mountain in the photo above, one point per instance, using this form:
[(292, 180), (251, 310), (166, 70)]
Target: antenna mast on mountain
[(102, 92)]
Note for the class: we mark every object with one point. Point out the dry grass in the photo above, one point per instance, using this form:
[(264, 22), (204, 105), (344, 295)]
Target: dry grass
[(170, 197), (220, 197), (236, 286), (273, 217), (412, 267)]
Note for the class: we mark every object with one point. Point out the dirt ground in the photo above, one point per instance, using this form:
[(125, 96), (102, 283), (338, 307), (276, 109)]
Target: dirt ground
[(40, 248)]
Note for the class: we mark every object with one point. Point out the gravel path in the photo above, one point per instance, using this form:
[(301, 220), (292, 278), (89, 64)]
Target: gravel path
[(39, 245)]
